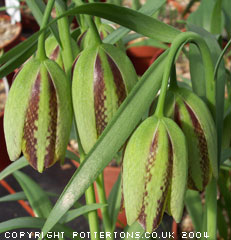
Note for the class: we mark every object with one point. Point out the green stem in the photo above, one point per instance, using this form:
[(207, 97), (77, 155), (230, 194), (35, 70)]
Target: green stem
[(105, 214), (41, 54), (97, 19), (89, 196), (96, 38), (177, 45), (82, 22), (173, 79), (211, 207), (92, 216), (65, 38)]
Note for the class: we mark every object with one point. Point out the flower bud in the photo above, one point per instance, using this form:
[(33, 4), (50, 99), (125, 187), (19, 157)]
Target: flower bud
[(154, 170), (193, 117), (104, 31), (39, 102), (53, 50), (102, 78)]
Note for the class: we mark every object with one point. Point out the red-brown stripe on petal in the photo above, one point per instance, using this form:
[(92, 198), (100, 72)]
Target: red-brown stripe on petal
[(191, 183), (30, 123), (99, 96), (177, 115), (118, 80), (81, 38), (101, 35), (73, 66), (49, 158), (55, 53), (150, 163), (165, 187), (202, 145)]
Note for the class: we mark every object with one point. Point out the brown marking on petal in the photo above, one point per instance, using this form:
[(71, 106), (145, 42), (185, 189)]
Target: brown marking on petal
[(202, 145), (118, 80), (99, 97), (50, 156), (177, 115), (16, 74), (101, 35), (73, 66), (165, 187), (191, 183), (81, 38), (55, 53), (150, 163), (30, 123)]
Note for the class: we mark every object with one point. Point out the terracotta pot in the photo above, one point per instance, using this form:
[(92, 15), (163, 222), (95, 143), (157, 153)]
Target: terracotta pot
[(177, 5), (110, 177), (141, 57), (15, 39)]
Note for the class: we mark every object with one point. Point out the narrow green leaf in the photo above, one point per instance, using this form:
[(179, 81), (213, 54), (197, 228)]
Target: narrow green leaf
[(73, 214), (149, 8), (135, 105), (114, 201), (224, 182), (75, 34), (195, 209), (219, 61), (227, 13), (37, 8), (135, 21), (17, 61), (216, 20), (13, 197), (72, 156), (21, 196), (221, 223), (20, 163), (202, 16), (36, 196), (129, 37), (31, 222), (226, 154)]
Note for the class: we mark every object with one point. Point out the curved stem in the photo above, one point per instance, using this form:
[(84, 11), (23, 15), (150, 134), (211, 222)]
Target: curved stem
[(173, 78), (41, 54), (220, 58), (177, 44)]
